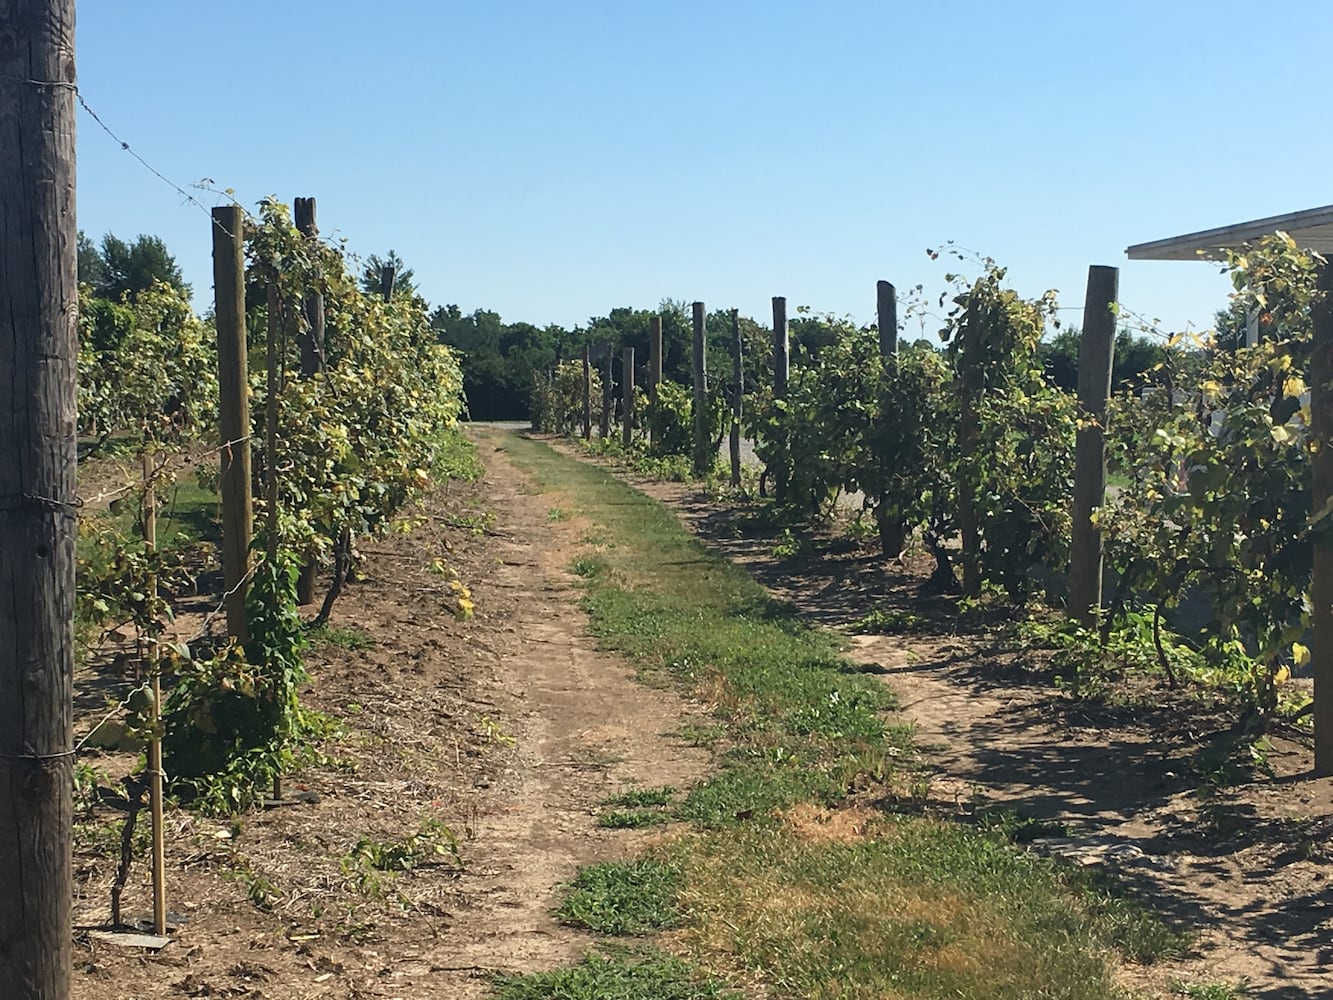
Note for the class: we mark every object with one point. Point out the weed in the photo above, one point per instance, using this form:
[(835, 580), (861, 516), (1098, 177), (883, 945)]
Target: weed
[(641, 798), (1211, 991), (557, 514), (490, 731), (433, 843), (624, 897), (617, 977), (349, 638), (887, 623), (630, 819)]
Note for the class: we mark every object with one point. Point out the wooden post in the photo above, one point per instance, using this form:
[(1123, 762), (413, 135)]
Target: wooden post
[(159, 864), (892, 531), (38, 346), (233, 410), (587, 392), (886, 307), (970, 384), (608, 383), (1096, 355), (311, 338), (781, 369), (387, 277), (627, 395), (313, 360), (737, 397), (703, 457), (1321, 586), (654, 370)]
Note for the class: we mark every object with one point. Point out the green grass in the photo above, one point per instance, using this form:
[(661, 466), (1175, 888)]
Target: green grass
[(1211, 991), (349, 638), (625, 897), (641, 798), (853, 903), (615, 977)]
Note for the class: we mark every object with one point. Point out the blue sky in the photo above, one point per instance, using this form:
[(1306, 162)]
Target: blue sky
[(554, 160)]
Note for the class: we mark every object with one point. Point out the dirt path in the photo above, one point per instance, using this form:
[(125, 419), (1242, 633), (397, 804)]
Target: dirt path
[(509, 729), (1247, 870), (583, 729)]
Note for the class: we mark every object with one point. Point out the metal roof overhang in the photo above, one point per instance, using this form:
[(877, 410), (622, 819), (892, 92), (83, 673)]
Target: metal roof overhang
[(1311, 229)]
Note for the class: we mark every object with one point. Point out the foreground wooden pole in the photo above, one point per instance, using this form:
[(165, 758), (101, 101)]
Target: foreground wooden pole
[(781, 369), (38, 346), (627, 396), (703, 459), (737, 395), (587, 392), (1096, 355), (233, 410), (1321, 586)]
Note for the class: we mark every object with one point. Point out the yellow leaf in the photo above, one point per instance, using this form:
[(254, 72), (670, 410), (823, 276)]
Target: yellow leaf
[(1293, 386), (1301, 654)]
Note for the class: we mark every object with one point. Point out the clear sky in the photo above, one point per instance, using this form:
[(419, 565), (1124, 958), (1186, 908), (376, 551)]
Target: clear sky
[(552, 160)]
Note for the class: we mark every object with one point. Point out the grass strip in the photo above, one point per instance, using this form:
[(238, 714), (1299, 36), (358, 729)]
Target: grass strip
[(784, 874)]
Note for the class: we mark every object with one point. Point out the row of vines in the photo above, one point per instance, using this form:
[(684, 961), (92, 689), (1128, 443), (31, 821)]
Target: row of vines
[(1207, 528), (341, 448)]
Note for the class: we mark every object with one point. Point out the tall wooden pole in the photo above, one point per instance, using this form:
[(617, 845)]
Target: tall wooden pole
[(587, 392), (781, 369), (38, 346), (311, 338), (1321, 586), (970, 379), (1096, 355), (627, 396), (886, 308), (892, 531), (387, 277), (703, 459), (608, 385), (654, 368), (737, 396), (233, 410)]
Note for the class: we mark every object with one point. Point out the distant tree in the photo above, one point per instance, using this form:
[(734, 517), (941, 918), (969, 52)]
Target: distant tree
[(403, 276), (91, 269), (118, 268), (1135, 357)]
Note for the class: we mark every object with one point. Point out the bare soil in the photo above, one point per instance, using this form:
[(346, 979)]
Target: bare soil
[(507, 729), (1245, 868)]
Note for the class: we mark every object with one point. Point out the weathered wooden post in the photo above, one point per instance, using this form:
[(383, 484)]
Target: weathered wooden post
[(886, 308), (311, 342), (892, 531), (38, 347), (737, 396), (154, 768), (781, 369), (387, 278), (654, 371), (1321, 460), (970, 385), (311, 338), (233, 410), (587, 392), (627, 395), (703, 459), (608, 385), (1096, 354)]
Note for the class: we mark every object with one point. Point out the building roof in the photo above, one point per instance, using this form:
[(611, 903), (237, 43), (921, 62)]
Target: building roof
[(1311, 229)]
